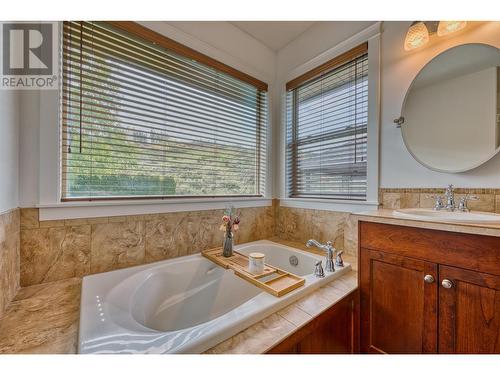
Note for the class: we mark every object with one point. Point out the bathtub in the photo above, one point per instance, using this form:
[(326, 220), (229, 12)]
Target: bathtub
[(184, 305)]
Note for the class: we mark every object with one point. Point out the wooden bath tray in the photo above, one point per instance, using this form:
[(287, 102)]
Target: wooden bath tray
[(273, 280)]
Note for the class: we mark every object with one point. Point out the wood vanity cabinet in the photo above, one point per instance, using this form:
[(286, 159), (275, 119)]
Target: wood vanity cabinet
[(428, 291), (332, 332), (469, 312)]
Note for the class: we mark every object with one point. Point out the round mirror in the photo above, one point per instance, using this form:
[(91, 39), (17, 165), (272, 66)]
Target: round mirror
[(450, 116)]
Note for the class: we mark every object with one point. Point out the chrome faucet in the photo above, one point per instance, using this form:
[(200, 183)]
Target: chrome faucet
[(339, 262), (438, 202), (450, 205), (318, 270), (450, 198), (462, 205), (330, 250)]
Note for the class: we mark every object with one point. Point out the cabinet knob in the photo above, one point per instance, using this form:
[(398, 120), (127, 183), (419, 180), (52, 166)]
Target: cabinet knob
[(447, 284), (429, 279)]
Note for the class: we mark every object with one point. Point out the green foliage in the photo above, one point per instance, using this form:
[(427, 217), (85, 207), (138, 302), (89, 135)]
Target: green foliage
[(112, 157), (119, 185)]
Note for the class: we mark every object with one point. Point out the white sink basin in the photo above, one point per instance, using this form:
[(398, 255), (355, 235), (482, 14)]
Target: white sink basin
[(474, 217)]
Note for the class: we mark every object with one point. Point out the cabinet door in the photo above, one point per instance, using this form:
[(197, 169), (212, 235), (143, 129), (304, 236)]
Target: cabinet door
[(469, 311), (398, 308)]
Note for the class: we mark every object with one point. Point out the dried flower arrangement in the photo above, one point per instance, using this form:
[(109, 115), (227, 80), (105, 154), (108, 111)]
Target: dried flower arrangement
[(230, 220), (230, 223)]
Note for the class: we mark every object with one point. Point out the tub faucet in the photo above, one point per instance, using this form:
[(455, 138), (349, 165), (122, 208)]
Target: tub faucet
[(318, 270), (339, 262), (330, 250)]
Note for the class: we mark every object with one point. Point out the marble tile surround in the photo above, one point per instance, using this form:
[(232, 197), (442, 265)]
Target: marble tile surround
[(9, 257), (65, 250), (300, 224), (394, 198), (62, 249), (42, 319)]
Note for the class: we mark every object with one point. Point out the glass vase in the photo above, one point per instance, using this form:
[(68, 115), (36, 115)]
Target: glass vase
[(227, 248)]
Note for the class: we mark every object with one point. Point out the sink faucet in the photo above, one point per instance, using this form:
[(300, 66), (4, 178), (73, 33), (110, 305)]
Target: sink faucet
[(450, 198), (462, 206), (438, 202), (330, 250), (450, 205)]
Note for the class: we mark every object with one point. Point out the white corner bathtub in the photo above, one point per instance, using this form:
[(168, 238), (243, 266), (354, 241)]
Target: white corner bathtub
[(183, 305)]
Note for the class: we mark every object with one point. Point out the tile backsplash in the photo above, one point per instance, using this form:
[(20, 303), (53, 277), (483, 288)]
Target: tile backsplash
[(9, 257), (300, 225), (61, 249), (489, 199)]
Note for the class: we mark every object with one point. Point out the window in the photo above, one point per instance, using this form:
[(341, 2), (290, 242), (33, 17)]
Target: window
[(145, 117), (327, 117)]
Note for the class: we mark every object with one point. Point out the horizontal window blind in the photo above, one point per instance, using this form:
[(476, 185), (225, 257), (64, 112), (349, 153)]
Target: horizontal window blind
[(140, 121), (327, 120)]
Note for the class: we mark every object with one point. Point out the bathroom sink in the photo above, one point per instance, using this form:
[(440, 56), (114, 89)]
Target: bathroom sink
[(473, 217)]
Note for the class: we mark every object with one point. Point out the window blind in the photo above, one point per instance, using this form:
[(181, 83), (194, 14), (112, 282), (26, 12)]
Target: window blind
[(327, 118), (141, 121)]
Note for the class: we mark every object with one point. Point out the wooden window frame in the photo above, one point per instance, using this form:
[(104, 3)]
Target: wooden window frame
[(179, 48), (327, 66), (139, 31), (307, 77)]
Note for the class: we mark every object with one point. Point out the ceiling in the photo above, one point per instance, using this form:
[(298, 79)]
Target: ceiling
[(274, 34)]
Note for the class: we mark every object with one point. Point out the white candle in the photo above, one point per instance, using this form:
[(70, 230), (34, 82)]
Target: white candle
[(256, 263)]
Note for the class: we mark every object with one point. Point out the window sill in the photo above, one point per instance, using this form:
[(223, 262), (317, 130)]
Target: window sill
[(329, 204), (81, 210)]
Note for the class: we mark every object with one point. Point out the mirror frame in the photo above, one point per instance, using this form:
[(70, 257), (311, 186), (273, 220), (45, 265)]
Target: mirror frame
[(401, 124)]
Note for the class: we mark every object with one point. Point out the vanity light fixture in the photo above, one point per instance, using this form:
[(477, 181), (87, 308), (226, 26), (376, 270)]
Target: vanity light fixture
[(448, 27), (416, 36), (419, 32)]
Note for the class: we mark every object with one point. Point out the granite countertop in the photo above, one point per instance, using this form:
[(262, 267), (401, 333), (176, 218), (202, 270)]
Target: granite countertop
[(44, 318), (388, 216)]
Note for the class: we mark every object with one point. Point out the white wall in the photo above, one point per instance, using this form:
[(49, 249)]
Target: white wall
[(315, 40), (224, 42), (9, 149), (39, 119), (399, 68), (29, 155)]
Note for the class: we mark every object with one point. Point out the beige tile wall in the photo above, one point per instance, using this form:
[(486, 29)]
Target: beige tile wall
[(489, 199), (61, 249), (299, 225), (9, 257)]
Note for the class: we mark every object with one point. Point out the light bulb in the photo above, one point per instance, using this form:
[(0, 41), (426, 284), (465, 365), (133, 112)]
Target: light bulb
[(448, 27), (417, 36)]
